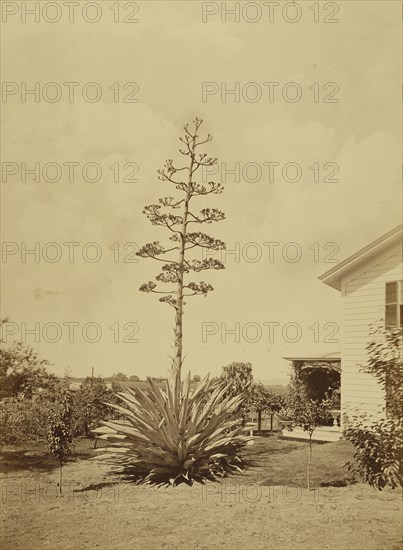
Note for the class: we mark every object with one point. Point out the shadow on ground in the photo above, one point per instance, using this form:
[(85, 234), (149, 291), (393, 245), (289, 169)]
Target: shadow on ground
[(36, 457), (95, 486), (18, 461), (339, 482)]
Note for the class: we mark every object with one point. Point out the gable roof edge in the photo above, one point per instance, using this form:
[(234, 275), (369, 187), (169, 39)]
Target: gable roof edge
[(333, 276)]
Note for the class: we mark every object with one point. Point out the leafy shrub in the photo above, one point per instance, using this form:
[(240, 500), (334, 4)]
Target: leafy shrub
[(89, 405), (378, 451), (22, 420), (10, 423), (306, 412), (238, 380), (179, 435), (25, 387), (261, 399), (22, 372), (36, 412), (60, 435), (385, 363), (379, 442), (309, 414), (237, 377)]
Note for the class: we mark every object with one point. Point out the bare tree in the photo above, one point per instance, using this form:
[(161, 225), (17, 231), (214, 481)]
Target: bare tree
[(175, 215)]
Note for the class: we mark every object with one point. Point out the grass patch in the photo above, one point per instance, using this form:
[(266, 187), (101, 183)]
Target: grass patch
[(283, 462)]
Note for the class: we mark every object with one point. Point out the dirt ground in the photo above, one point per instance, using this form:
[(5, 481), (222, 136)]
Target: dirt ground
[(254, 510)]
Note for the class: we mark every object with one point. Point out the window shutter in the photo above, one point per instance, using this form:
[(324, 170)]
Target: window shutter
[(401, 303), (391, 305)]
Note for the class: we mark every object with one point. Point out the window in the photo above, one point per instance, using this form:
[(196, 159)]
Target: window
[(394, 304)]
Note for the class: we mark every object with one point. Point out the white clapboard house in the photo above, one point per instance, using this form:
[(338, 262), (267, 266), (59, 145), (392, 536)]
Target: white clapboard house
[(370, 283)]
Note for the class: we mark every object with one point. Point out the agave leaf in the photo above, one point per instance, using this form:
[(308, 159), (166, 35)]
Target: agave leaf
[(116, 437), (122, 410), (183, 411), (137, 435), (140, 419), (218, 455), (126, 430), (168, 439), (172, 422), (150, 406), (103, 430), (223, 426), (127, 396), (158, 394), (144, 415), (212, 425), (112, 449), (171, 401)]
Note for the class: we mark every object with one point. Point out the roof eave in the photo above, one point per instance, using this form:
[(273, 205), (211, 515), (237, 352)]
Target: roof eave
[(333, 276)]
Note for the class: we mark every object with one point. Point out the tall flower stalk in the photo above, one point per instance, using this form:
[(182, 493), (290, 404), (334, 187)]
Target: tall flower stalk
[(176, 215)]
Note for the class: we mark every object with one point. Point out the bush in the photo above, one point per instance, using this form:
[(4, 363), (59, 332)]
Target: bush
[(10, 423), (309, 414), (22, 372), (22, 420), (59, 434), (378, 451), (89, 406), (385, 363), (379, 442)]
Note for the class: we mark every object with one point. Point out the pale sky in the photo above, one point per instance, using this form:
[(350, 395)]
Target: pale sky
[(169, 53)]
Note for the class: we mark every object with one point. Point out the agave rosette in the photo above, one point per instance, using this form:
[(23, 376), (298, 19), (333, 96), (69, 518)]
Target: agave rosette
[(181, 434)]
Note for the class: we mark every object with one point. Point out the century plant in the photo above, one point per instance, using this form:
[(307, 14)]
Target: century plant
[(163, 438), (187, 432), (176, 216)]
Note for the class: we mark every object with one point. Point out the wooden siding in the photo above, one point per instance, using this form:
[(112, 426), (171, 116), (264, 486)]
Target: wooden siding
[(363, 292)]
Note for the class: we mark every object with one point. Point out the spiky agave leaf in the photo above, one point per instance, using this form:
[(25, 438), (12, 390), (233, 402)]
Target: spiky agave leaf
[(169, 436)]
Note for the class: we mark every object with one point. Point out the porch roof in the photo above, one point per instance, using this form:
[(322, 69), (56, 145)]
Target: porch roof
[(330, 361), (328, 357)]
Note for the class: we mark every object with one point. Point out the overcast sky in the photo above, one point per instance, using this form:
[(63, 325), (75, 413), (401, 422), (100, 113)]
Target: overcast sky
[(169, 53)]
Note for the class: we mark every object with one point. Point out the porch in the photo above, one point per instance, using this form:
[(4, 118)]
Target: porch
[(318, 377)]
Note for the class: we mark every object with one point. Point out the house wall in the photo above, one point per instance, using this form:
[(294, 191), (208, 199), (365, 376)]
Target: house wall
[(363, 293)]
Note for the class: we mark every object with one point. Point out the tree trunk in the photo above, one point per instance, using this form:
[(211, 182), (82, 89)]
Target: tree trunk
[(308, 468), (271, 422), (60, 477), (259, 421)]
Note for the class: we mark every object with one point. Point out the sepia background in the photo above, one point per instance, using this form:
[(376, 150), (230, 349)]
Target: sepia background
[(169, 53)]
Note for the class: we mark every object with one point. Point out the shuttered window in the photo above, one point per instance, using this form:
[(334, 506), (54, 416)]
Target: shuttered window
[(401, 303), (394, 304), (393, 319)]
